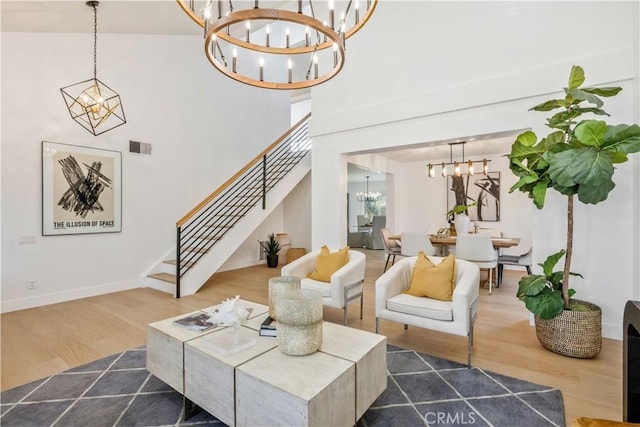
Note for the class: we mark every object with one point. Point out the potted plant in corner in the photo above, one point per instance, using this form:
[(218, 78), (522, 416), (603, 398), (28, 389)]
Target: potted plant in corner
[(271, 248), (577, 158)]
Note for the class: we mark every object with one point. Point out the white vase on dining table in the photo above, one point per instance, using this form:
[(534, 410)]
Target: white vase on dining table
[(462, 223)]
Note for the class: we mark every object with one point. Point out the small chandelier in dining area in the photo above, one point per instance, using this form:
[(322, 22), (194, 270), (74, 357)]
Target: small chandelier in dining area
[(278, 44), (92, 103), (369, 196), (459, 167)]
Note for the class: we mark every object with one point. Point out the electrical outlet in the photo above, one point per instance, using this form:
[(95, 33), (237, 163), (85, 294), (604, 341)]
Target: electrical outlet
[(31, 284)]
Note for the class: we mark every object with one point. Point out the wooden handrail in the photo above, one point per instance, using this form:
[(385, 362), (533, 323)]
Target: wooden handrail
[(238, 174)]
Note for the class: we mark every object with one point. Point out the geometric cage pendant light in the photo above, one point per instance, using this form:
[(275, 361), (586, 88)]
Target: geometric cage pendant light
[(278, 44), (91, 103)]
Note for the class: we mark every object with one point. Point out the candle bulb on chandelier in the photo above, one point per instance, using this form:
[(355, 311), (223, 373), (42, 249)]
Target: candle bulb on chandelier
[(456, 169), (214, 45), (430, 171), (331, 14), (356, 8), (287, 36), (306, 36), (485, 167), (248, 27), (315, 66), (219, 9), (335, 54), (207, 20), (234, 61), (267, 30), (261, 62), (444, 170), (470, 167), (290, 66)]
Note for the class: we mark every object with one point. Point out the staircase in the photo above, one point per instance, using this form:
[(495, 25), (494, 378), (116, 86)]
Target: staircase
[(211, 232)]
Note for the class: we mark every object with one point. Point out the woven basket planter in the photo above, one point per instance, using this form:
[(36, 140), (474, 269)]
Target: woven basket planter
[(575, 334)]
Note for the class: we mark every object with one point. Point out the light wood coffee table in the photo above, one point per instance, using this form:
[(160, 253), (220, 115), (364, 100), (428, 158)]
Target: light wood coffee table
[(263, 386)]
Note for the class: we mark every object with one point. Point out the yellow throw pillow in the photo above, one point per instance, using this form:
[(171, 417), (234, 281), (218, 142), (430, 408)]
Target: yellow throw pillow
[(433, 281), (597, 422), (328, 263)]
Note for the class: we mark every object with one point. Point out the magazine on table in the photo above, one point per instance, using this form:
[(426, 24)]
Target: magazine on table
[(196, 322)]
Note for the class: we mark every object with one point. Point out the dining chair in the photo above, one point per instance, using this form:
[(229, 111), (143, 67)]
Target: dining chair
[(413, 242), (478, 249), (378, 222), (492, 232), (523, 260), (391, 247)]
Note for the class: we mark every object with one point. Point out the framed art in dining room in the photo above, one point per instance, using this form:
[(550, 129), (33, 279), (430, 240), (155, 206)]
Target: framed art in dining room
[(81, 190), (485, 189)]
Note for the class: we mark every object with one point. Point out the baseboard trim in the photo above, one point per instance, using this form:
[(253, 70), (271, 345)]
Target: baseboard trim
[(67, 295)]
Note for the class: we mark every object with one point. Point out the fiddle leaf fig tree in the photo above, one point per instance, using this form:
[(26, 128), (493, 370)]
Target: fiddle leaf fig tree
[(577, 158)]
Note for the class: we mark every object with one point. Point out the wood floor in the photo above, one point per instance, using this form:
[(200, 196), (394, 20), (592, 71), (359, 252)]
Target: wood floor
[(42, 341)]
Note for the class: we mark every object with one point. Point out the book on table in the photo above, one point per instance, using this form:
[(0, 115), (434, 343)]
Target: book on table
[(195, 322), (268, 327)]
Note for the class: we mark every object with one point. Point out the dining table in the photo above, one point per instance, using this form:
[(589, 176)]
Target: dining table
[(498, 242), (445, 242)]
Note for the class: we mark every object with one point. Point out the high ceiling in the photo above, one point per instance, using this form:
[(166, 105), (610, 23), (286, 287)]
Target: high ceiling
[(166, 17), (125, 17)]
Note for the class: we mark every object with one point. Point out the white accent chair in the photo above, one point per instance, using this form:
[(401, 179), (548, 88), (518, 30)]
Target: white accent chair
[(391, 247), (346, 283), (452, 317), (478, 249), (412, 243)]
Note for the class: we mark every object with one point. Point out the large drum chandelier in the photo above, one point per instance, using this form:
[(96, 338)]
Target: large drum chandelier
[(278, 44)]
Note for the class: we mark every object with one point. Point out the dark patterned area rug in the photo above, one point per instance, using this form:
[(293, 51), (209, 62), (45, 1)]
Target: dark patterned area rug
[(421, 390)]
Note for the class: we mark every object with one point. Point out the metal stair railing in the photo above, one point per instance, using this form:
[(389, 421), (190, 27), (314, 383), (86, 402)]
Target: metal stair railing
[(207, 223)]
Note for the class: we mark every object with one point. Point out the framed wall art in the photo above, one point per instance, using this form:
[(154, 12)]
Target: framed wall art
[(485, 189), (81, 190)]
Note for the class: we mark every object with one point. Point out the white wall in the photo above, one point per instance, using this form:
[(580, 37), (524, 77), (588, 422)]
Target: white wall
[(203, 127), (297, 215), (430, 71)]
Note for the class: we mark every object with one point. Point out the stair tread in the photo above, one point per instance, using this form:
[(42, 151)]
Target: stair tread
[(165, 277), (175, 262), (208, 237), (195, 249)]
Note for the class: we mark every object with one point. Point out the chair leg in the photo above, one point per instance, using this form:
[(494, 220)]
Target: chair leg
[(345, 312), (500, 270), (393, 260), (470, 345), (361, 303), (406, 326), (385, 264), (490, 277), (528, 269), (377, 325)]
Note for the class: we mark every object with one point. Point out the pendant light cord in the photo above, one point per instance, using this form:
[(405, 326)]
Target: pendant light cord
[(95, 41)]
